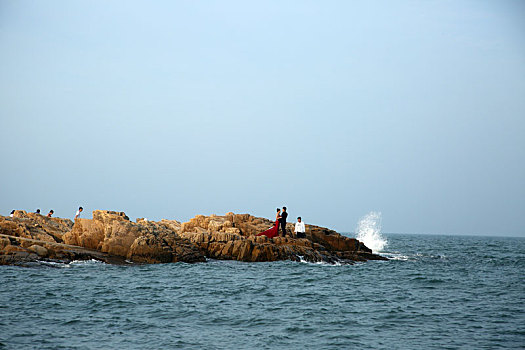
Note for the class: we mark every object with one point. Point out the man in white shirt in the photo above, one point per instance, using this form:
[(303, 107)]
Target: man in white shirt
[(300, 230), (80, 209)]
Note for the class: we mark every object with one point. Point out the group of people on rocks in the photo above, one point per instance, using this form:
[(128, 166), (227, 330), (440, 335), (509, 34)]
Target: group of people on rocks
[(51, 212), (280, 222)]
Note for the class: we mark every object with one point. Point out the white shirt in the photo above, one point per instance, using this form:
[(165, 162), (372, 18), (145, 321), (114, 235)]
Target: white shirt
[(299, 227)]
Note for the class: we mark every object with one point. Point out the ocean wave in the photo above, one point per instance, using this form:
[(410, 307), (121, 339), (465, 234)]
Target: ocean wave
[(369, 232)]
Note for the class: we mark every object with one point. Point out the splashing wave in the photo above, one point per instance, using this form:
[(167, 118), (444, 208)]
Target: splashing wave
[(369, 231)]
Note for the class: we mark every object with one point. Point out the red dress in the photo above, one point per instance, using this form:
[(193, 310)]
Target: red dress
[(271, 233)]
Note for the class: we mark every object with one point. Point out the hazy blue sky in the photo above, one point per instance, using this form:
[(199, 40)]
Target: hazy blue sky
[(168, 109)]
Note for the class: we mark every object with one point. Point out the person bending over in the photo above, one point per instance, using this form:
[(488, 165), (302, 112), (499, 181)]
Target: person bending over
[(78, 212)]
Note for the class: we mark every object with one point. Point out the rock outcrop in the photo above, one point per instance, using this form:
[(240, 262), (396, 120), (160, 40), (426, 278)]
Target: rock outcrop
[(21, 251), (144, 241), (233, 237), (35, 226), (111, 236)]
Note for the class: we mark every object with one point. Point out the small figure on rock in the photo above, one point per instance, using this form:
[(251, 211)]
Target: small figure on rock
[(80, 209), (274, 231), (300, 230), (12, 213), (50, 214), (37, 211), (284, 215)]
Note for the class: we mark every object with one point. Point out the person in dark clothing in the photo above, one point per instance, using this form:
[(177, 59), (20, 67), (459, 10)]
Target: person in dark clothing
[(284, 215)]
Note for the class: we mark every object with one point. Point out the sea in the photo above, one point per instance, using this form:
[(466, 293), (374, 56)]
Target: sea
[(435, 292)]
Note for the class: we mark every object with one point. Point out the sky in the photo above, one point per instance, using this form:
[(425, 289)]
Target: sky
[(169, 109)]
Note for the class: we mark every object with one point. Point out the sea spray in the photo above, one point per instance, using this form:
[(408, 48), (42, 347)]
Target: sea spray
[(369, 231)]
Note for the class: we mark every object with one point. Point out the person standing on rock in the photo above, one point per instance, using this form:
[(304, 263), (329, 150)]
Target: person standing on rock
[(37, 211), (274, 231), (300, 230), (80, 209), (284, 215), (12, 213), (50, 214)]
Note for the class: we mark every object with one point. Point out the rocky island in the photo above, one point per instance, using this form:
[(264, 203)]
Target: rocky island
[(112, 238)]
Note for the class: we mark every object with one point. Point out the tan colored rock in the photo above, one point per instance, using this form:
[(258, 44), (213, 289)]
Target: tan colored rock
[(197, 238), (245, 251), (14, 248), (4, 242), (173, 225), (227, 250), (214, 226), (120, 235), (21, 251), (231, 236), (39, 250), (86, 233), (236, 249), (214, 250), (153, 249), (233, 230), (144, 241), (35, 226), (261, 239), (149, 249), (263, 252), (109, 231)]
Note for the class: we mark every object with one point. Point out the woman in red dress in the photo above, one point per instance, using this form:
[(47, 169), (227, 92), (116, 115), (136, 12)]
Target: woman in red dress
[(274, 231)]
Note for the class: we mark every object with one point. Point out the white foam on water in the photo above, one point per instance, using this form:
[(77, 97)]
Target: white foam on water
[(301, 260), (86, 262), (369, 231), (62, 264), (396, 256), (53, 264)]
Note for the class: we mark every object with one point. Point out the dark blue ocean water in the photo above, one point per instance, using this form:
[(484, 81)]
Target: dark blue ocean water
[(439, 292)]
